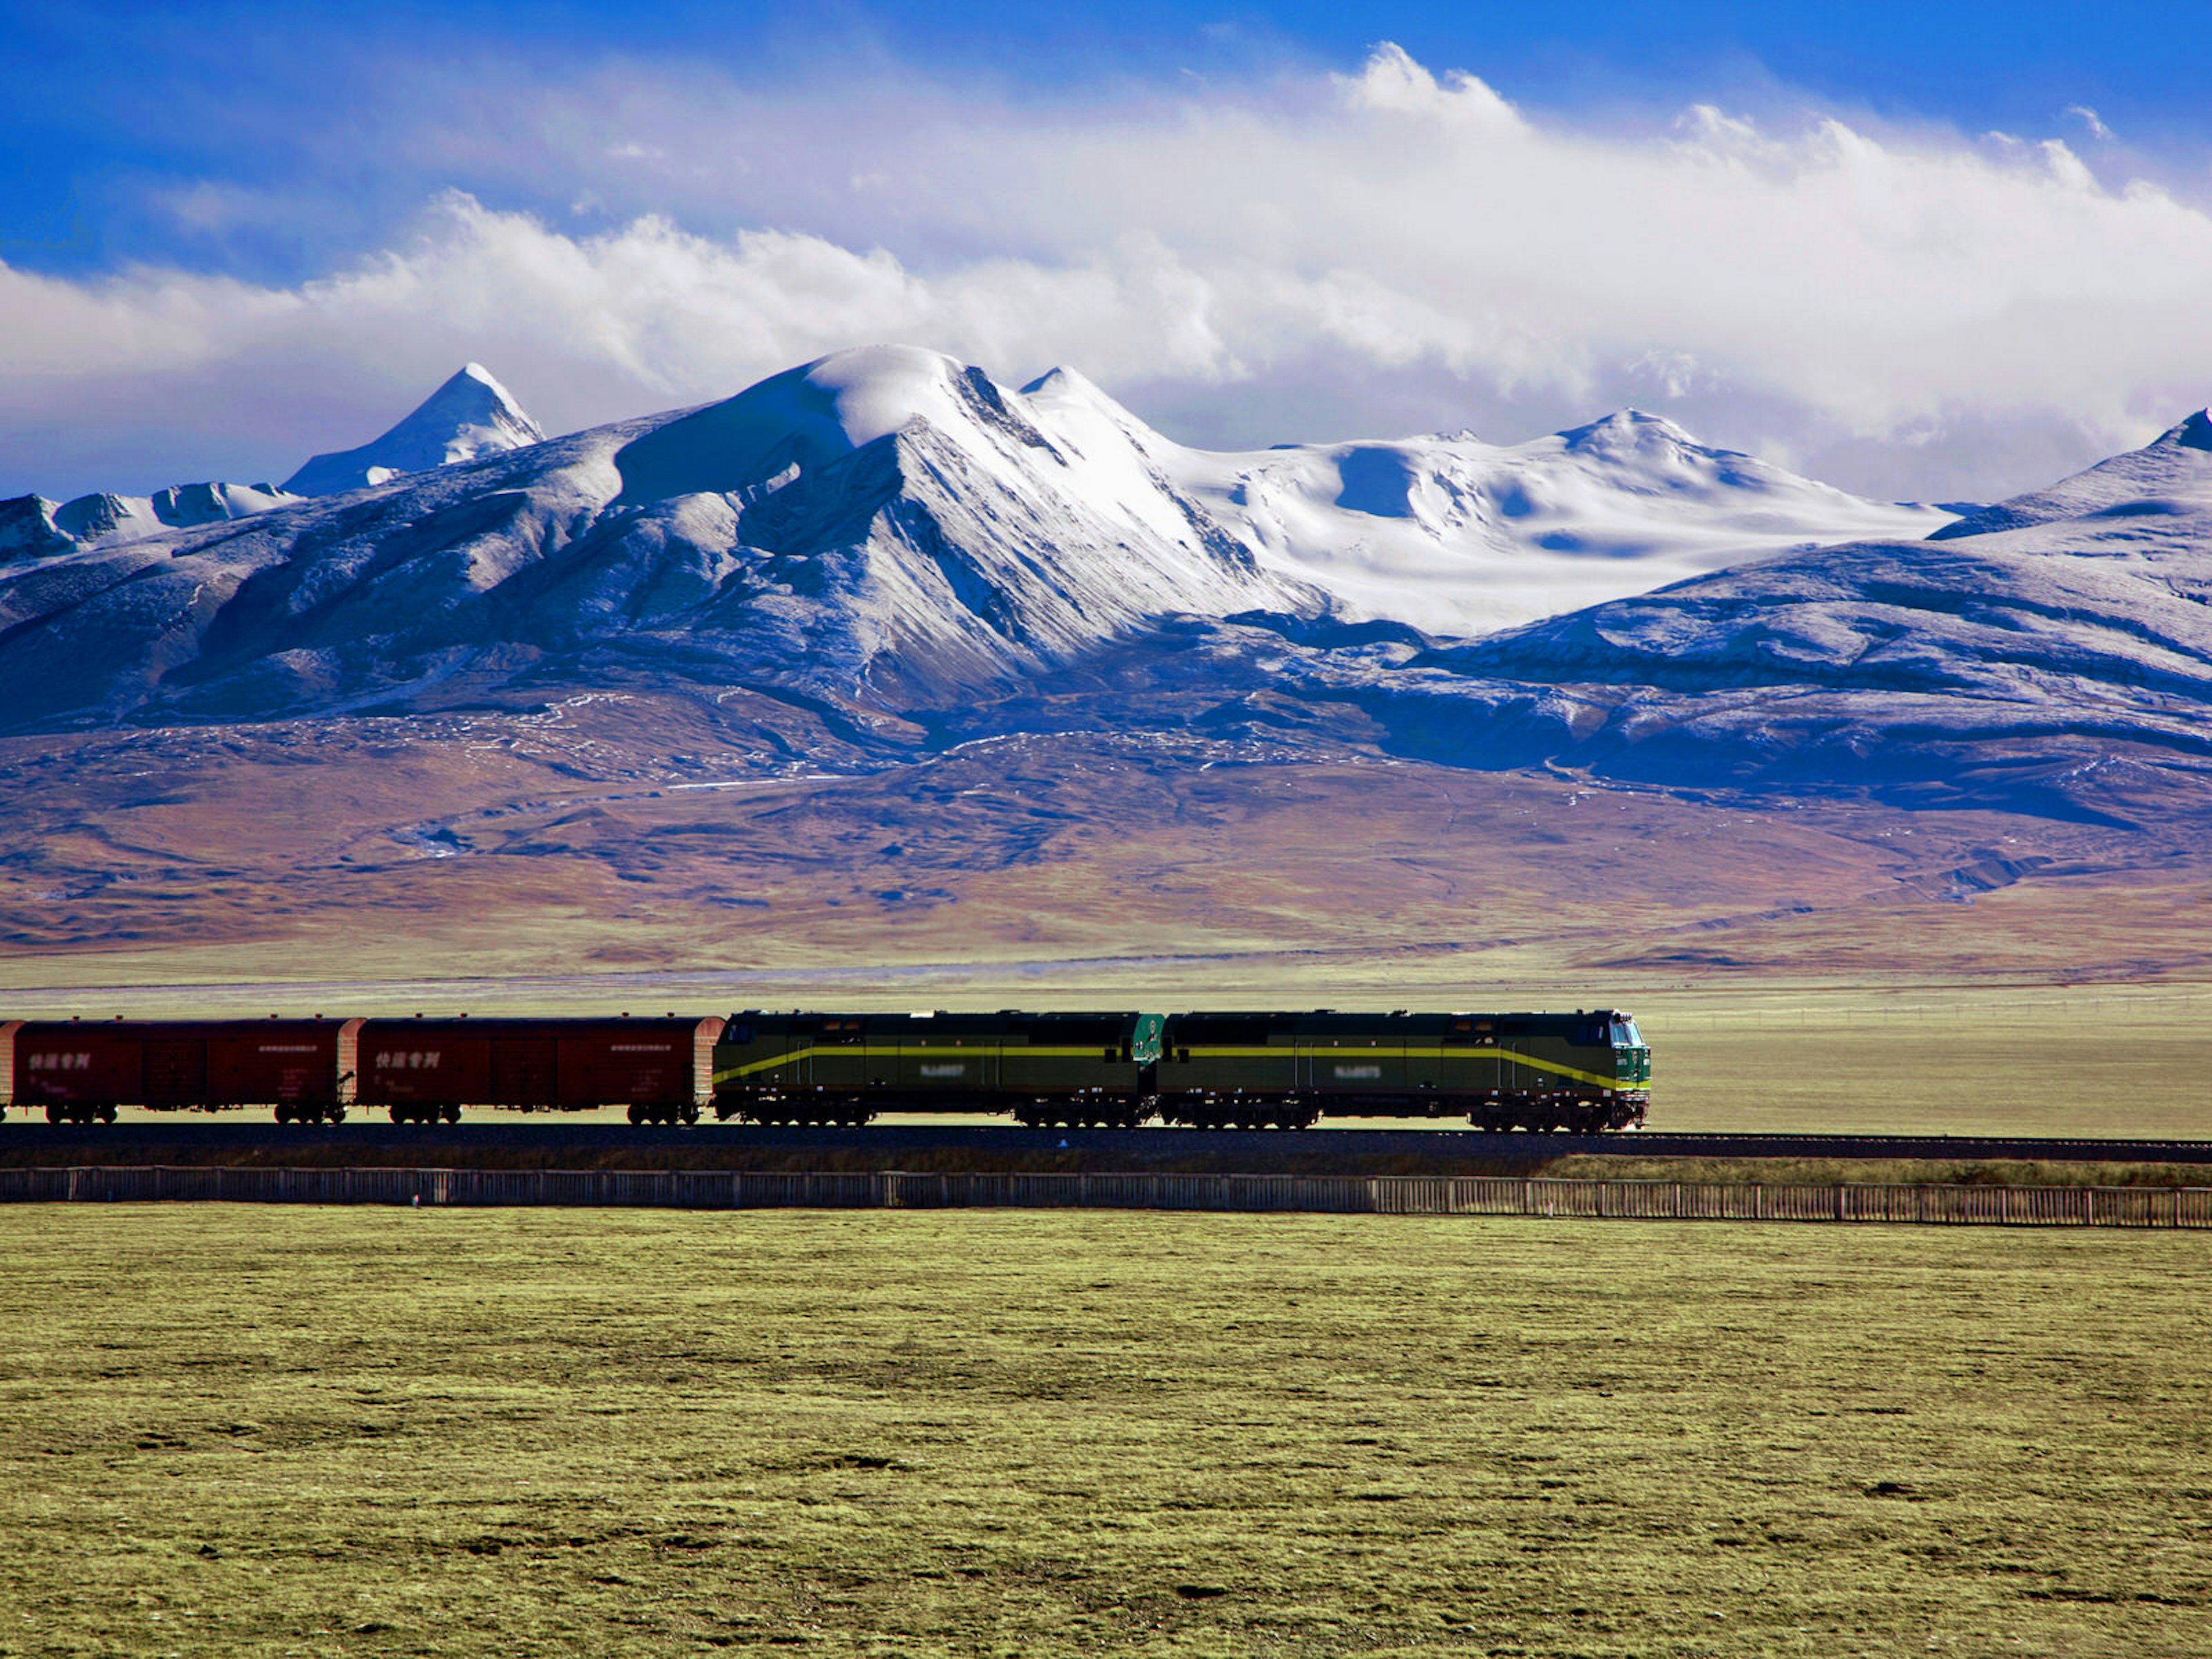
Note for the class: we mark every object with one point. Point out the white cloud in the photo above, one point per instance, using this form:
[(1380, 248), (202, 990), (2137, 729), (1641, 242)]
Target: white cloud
[(1313, 260), (2089, 118)]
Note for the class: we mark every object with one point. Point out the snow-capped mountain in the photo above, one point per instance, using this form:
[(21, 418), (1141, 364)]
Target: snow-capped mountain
[(889, 532), (2071, 629), (2133, 484), (1457, 535), (883, 526), (33, 526), (469, 417)]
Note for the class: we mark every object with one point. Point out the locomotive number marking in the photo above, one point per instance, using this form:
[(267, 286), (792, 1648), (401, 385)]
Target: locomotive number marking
[(1359, 1072), (944, 1071)]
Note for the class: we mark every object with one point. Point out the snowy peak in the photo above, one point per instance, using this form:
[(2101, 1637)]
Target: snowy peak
[(809, 416), (950, 531), (471, 416), (2175, 464), (2069, 627), (1457, 535), (1631, 434), (33, 526)]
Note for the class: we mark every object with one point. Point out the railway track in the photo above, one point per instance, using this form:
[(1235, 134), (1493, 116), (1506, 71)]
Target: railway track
[(546, 1143)]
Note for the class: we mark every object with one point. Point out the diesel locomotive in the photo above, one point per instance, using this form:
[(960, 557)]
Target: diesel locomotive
[(1585, 1071)]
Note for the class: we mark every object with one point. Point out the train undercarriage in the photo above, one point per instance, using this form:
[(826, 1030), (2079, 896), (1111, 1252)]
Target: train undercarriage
[(79, 1111), (1571, 1113)]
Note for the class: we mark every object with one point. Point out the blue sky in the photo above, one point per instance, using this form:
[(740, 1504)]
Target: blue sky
[(239, 232), (104, 105)]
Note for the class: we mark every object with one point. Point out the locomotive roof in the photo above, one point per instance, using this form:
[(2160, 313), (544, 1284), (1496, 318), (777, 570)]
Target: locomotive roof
[(1331, 1019), (938, 1020)]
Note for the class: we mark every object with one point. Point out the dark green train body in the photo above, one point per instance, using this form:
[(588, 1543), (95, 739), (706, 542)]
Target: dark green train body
[(1079, 1069), (1583, 1071)]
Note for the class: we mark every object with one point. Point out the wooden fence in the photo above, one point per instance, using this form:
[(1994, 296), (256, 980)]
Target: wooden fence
[(892, 1189)]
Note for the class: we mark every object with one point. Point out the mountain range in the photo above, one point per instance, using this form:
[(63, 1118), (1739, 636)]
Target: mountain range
[(885, 526), (865, 642)]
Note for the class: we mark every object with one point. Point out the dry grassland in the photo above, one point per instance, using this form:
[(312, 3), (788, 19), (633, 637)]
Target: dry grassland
[(237, 1432)]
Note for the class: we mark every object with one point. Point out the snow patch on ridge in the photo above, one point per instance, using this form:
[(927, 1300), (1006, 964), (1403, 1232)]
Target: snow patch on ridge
[(1459, 537)]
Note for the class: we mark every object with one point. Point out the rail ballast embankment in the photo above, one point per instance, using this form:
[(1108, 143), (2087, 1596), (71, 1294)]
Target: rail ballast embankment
[(2187, 1207)]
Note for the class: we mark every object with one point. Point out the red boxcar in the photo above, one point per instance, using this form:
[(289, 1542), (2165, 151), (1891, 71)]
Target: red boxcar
[(80, 1071), (426, 1070)]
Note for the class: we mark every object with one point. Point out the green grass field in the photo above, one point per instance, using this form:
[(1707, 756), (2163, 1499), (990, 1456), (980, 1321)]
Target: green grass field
[(240, 1431)]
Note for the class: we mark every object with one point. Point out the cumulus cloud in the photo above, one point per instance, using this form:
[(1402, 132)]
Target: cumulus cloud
[(1916, 313)]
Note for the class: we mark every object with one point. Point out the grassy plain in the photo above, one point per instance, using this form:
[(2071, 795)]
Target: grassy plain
[(242, 1432)]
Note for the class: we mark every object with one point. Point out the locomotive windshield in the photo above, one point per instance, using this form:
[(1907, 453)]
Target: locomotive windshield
[(1624, 1034)]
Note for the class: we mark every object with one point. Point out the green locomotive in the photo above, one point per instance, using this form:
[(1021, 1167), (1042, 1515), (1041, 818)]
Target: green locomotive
[(1087, 1070), (1583, 1072)]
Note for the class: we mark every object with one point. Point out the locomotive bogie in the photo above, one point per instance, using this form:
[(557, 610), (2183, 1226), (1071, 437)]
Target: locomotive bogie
[(1236, 1110), (811, 1108)]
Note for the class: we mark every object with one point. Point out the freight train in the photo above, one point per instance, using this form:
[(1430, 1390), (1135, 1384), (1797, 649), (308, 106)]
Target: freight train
[(1584, 1071)]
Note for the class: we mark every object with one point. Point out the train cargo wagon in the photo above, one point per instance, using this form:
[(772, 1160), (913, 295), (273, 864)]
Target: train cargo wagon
[(427, 1070), (82, 1071), (663, 1070), (305, 1069), (845, 1068)]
